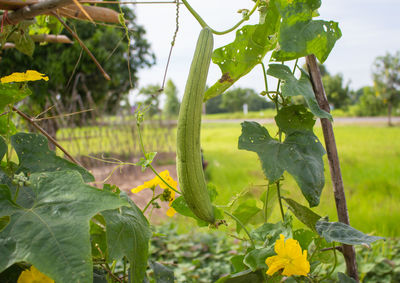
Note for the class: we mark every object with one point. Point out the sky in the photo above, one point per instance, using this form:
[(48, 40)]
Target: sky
[(370, 28)]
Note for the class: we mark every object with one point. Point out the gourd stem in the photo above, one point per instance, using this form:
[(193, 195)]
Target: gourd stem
[(278, 189), (204, 24)]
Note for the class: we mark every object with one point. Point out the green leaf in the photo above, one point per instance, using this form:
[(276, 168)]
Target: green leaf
[(300, 35), (237, 263), (3, 148), (268, 233), (293, 87), (343, 278), (246, 276), (272, 196), (53, 234), (7, 127), (180, 205), (245, 212), (300, 155), (251, 44), (98, 236), (12, 93), (162, 274), (342, 233), (304, 237), (303, 213), (35, 156), (294, 117), (128, 234), (256, 258)]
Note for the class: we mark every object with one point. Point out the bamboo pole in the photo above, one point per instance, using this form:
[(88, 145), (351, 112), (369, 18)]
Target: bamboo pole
[(334, 165)]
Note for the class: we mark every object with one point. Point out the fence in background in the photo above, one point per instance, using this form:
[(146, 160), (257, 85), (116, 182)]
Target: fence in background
[(117, 137)]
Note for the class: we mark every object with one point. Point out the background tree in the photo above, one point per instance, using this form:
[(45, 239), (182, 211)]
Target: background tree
[(386, 74), (151, 94), (338, 93), (171, 108), (369, 104), (213, 105), (233, 100), (75, 82)]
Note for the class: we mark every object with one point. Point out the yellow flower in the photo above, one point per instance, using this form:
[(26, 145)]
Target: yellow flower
[(156, 181), (289, 257), (30, 75), (33, 275)]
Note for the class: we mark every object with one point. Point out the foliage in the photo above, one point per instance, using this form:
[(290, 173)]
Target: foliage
[(171, 108), (151, 100), (338, 94), (72, 74), (369, 104), (386, 74)]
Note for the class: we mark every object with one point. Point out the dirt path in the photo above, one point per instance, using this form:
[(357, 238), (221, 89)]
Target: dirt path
[(131, 176)]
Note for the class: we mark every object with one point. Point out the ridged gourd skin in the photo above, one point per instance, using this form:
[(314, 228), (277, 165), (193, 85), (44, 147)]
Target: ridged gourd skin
[(189, 163)]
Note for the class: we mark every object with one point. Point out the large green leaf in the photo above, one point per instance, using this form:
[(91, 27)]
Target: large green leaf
[(162, 274), (300, 155), (251, 44), (293, 118), (299, 35), (293, 87), (11, 94), (53, 233), (303, 213), (7, 126), (256, 258), (245, 212), (128, 234), (343, 233), (246, 276), (35, 156), (3, 148), (268, 233), (343, 278)]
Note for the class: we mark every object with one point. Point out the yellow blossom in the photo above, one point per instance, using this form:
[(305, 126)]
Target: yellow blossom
[(289, 257), (156, 181), (29, 75), (32, 275)]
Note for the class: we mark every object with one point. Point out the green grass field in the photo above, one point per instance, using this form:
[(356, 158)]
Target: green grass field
[(370, 163)]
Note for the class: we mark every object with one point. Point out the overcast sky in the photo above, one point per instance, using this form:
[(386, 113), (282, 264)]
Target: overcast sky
[(370, 28)]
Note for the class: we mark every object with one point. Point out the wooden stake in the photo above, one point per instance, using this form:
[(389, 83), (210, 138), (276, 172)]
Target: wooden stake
[(334, 166)]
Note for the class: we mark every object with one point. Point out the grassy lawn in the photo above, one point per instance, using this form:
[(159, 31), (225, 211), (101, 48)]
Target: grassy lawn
[(370, 162)]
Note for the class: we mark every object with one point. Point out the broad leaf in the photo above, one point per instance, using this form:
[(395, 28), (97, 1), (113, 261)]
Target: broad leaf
[(293, 87), (53, 234), (128, 234), (256, 258), (7, 127), (300, 36), (268, 233), (294, 117), (342, 233), (251, 44), (303, 213), (343, 278), (237, 263), (245, 212), (180, 205), (304, 237), (246, 276), (300, 155), (35, 156), (162, 274), (3, 148), (11, 94)]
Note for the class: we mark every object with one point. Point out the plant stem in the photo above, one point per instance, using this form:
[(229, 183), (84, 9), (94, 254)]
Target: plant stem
[(148, 204), (278, 189), (204, 24), (295, 65), (243, 227), (16, 194), (266, 205), (334, 165)]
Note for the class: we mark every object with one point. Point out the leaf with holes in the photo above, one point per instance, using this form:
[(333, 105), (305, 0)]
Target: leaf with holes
[(293, 87), (342, 233), (293, 118), (53, 232), (303, 213), (300, 155), (128, 234), (35, 156), (251, 44), (300, 35)]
